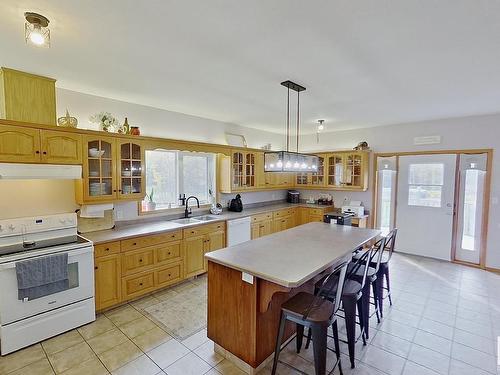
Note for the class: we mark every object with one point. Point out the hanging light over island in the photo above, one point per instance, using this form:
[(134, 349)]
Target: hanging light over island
[(290, 161)]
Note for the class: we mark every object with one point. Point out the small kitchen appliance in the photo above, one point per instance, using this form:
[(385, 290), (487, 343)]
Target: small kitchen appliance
[(293, 196), (355, 208), (338, 218), (26, 321)]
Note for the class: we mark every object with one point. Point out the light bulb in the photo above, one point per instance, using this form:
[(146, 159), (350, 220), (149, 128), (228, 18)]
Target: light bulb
[(279, 164), (272, 165), (288, 164), (314, 166), (321, 127), (37, 38), (303, 166), (296, 165)]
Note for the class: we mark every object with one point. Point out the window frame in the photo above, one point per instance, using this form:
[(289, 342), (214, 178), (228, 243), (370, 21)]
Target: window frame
[(179, 168), (412, 184)]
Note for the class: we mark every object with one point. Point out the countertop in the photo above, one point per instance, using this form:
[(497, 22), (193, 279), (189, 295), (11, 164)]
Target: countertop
[(160, 226), (294, 256)]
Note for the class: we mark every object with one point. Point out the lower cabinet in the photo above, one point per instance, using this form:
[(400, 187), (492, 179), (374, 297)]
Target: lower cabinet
[(197, 242), (107, 273)]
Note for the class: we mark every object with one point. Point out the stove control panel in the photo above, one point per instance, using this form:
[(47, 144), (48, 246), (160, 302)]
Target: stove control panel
[(27, 225)]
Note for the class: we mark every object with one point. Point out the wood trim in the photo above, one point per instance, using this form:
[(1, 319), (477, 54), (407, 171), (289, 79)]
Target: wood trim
[(456, 202)]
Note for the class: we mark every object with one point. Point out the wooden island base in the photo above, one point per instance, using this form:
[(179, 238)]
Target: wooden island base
[(243, 318)]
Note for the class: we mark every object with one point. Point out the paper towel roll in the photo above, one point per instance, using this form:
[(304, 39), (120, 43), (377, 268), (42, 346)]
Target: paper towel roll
[(95, 210)]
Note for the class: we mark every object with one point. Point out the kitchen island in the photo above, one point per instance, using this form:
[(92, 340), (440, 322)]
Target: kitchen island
[(247, 284)]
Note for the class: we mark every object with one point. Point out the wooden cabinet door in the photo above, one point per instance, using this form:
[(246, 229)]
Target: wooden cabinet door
[(18, 144), (280, 224), (353, 170), (249, 180), (255, 230), (138, 260), (214, 241), (302, 216), (107, 281), (265, 228), (60, 147), (237, 170), (99, 170), (130, 170), (336, 170), (260, 175), (318, 178), (194, 255)]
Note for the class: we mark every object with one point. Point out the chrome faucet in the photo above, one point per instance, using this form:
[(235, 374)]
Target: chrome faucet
[(188, 211)]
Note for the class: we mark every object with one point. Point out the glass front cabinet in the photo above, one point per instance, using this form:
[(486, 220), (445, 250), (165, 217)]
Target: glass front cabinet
[(348, 170), (113, 169)]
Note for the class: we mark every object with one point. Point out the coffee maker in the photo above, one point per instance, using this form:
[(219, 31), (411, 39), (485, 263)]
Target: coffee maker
[(293, 196)]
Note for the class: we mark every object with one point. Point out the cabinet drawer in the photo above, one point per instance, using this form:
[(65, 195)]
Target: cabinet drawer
[(285, 212), (262, 217), (204, 229), (154, 239), (316, 211), (168, 252), (136, 285), (107, 248), (168, 275), (318, 218), (137, 261)]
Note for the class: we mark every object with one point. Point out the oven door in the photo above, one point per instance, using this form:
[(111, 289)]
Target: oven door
[(81, 287)]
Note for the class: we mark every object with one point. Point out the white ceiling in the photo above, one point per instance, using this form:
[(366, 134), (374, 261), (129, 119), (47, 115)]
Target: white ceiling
[(364, 63)]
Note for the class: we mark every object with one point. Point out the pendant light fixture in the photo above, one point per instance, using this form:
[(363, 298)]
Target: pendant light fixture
[(36, 30), (289, 161)]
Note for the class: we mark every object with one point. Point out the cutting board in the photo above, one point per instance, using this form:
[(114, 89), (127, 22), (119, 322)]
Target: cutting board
[(86, 224)]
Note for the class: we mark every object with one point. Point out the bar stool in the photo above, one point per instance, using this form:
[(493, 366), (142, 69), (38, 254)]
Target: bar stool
[(383, 272), (316, 313), (351, 298), (373, 264)]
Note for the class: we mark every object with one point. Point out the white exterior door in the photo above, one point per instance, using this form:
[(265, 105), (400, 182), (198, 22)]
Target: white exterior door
[(425, 205)]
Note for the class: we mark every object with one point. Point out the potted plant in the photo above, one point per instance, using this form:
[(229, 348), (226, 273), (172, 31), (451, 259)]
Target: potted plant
[(105, 119), (150, 203)]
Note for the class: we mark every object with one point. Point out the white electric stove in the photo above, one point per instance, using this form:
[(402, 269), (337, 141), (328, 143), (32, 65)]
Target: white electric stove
[(23, 322)]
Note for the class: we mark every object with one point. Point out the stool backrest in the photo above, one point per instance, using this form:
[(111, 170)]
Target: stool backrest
[(327, 288), (377, 253), (362, 261), (390, 242)]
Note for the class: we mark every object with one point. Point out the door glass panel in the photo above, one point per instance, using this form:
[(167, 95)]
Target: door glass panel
[(73, 277), (131, 168), (425, 185), (470, 209), (107, 168)]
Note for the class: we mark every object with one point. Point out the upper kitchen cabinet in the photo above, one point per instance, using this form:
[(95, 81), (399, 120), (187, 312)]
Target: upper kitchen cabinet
[(113, 169), (348, 170), (26, 145), (27, 97), (238, 171), (308, 179), (131, 182)]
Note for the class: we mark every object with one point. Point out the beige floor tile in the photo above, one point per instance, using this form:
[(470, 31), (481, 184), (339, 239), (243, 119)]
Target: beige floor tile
[(41, 367), (70, 357), (90, 366), (21, 358), (138, 326), (151, 339), (101, 325), (140, 366), (208, 354), (61, 342), (123, 315), (163, 295), (145, 302), (228, 368), (196, 340), (107, 340), (167, 353), (120, 355), (190, 364), (213, 372)]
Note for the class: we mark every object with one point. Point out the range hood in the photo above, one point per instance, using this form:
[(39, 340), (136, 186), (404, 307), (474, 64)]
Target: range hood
[(15, 171)]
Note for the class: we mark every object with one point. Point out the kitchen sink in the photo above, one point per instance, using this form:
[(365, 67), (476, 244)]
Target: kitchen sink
[(206, 217), (189, 220)]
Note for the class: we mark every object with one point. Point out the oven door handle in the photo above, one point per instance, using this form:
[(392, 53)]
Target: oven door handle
[(71, 253)]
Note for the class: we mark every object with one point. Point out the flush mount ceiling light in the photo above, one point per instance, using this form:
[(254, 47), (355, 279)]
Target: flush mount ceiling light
[(319, 129), (287, 161), (36, 29)]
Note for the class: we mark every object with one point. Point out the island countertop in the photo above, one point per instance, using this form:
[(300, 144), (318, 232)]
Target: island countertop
[(294, 256)]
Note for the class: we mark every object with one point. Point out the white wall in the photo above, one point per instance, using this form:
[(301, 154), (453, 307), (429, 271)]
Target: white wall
[(158, 122), (457, 133)]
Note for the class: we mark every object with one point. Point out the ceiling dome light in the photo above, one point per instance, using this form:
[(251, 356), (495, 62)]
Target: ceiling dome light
[(36, 29)]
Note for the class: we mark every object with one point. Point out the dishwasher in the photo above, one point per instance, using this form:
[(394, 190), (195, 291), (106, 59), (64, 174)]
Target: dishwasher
[(238, 231)]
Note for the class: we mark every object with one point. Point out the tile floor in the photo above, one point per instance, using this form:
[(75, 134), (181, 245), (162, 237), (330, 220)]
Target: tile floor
[(445, 320)]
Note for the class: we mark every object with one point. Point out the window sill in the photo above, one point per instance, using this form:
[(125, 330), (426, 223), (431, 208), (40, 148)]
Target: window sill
[(143, 209)]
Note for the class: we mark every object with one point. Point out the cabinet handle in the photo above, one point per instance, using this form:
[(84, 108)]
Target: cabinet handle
[(134, 244), (168, 253), (114, 191), (37, 152), (106, 249), (173, 236), (96, 268), (169, 275), (140, 260), (45, 152), (140, 284)]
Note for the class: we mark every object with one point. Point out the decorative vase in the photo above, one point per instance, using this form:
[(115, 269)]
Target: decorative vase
[(126, 127), (134, 130), (67, 121)]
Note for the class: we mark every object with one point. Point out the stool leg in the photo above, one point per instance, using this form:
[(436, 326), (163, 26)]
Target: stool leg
[(337, 346), (279, 338), (319, 334), (379, 285), (365, 300), (387, 281), (309, 334), (350, 325), (300, 335), (361, 319), (375, 298)]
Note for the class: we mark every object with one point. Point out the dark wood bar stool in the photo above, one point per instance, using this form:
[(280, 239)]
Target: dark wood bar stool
[(351, 298), (383, 272), (316, 313)]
